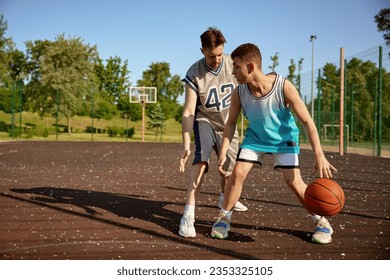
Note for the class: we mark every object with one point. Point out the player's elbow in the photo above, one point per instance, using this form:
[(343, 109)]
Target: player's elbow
[(187, 113)]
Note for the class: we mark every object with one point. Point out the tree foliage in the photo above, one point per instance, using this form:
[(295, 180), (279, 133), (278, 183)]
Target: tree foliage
[(275, 61), (292, 76), (113, 88), (169, 88), (113, 78), (12, 70), (360, 94), (291, 71), (382, 20), (61, 73), (156, 120), (5, 46)]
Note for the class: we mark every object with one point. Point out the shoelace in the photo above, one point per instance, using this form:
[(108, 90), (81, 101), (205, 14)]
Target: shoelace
[(222, 222), (188, 221), (321, 227)]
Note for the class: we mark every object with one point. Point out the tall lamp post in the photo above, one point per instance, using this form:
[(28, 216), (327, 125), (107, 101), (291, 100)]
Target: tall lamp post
[(312, 38)]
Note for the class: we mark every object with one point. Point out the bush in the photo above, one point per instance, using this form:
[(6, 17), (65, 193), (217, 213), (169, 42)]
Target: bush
[(115, 131), (16, 131), (89, 129), (37, 131), (3, 126), (129, 132), (41, 131)]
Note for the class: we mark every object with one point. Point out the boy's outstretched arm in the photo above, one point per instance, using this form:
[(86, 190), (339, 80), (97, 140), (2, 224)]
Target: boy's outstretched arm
[(187, 125), (230, 128), (299, 108)]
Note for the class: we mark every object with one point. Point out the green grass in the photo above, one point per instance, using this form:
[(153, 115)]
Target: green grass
[(79, 125)]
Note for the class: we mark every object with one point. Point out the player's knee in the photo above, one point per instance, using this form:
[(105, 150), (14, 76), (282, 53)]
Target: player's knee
[(238, 175)]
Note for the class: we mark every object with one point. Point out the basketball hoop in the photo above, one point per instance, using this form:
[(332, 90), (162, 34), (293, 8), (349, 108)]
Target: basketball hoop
[(143, 95), (143, 98)]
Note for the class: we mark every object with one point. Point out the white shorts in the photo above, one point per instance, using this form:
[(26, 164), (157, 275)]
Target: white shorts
[(207, 140), (283, 161)]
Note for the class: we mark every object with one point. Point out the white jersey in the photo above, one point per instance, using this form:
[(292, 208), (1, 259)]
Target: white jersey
[(214, 89)]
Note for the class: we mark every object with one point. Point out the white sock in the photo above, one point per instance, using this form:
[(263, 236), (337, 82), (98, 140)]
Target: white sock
[(189, 210), (226, 213)]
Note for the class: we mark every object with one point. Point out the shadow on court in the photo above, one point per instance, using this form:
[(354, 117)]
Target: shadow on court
[(125, 206)]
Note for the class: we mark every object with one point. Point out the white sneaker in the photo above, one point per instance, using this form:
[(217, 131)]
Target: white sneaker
[(187, 228), (323, 232), (239, 207)]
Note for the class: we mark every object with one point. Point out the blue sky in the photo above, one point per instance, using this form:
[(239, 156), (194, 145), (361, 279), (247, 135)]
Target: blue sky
[(147, 31)]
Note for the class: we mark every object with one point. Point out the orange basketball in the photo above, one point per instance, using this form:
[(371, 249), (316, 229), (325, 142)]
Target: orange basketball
[(324, 197)]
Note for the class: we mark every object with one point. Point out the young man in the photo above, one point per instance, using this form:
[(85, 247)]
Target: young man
[(268, 101), (209, 84)]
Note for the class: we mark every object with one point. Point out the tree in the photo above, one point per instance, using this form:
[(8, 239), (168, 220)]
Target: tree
[(295, 78), (179, 114), (275, 61), (168, 88), (298, 78), (113, 78), (61, 75), (291, 71), (156, 120), (5, 45), (12, 68), (103, 109), (382, 20), (330, 81), (132, 111), (362, 83), (113, 89), (359, 75)]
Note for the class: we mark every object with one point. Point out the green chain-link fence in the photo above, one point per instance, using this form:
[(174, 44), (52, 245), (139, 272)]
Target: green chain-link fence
[(366, 102)]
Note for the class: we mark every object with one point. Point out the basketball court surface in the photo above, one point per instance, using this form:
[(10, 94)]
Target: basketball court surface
[(114, 201)]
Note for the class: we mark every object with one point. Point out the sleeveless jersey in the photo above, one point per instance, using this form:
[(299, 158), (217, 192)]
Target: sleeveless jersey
[(272, 128), (214, 89)]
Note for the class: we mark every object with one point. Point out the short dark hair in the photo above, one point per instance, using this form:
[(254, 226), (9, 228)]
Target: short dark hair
[(212, 38), (248, 52)]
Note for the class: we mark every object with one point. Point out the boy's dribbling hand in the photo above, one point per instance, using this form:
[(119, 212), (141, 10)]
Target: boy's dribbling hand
[(325, 169), (182, 165)]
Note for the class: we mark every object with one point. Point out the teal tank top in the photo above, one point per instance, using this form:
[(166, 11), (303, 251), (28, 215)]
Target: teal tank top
[(272, 127)]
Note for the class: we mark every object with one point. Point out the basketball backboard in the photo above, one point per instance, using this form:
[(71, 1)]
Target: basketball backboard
[(143, 94)]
